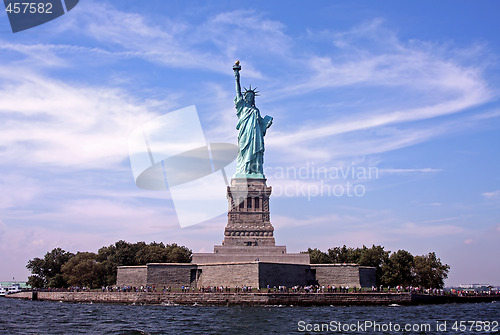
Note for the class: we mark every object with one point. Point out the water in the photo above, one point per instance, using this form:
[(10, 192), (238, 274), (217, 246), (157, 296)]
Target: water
[(43, 317)]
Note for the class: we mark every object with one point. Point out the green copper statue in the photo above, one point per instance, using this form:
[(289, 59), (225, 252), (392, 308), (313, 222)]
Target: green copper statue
[(251, 131)]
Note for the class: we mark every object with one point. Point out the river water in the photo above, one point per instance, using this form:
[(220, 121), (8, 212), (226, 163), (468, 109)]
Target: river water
[(43, 317)]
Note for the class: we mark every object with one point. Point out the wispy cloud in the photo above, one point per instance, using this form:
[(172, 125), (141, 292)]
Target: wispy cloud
[(41, 55), (250, 31), (431, 80), (410, 171), (405, 83), (17, 190), (107, 215), (359, 226), (447, 219), (206, 45), (492, 195), (66, 125), (429, 231)]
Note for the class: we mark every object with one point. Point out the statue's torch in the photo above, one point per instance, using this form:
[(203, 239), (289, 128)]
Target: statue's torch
[(237, 66)]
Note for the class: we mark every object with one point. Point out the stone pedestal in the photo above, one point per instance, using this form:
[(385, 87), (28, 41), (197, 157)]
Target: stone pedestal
[(248, 216)]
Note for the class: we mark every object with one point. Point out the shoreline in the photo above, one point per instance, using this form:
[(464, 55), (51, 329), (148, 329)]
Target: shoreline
[(250, 298)]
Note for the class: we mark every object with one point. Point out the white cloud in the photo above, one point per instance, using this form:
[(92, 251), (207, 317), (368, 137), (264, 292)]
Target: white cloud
[(250, 31), (287, 222), (470, 95), (410, 171), (360, 226), (399, 84), (430, 231), (17, 190), (2, 229), (433, 78), (446, 219), (492, 195), (50, 55), (180, 44), (50, 122), (108, 214)]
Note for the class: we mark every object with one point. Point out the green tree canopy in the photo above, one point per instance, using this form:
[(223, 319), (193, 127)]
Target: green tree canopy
[(343, 255), (140, 253), (317, 256), (59, 268), (399, 268), (84, 270), (46, 271), (429, 271)]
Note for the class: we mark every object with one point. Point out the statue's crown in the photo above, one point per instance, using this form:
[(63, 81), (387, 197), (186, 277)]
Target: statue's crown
[(251, 90)]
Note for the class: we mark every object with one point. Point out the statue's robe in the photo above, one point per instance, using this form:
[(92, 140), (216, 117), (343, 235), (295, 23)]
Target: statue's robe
[(251, 131)]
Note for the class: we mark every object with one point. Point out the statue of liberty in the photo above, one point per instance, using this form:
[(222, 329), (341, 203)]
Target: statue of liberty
[(251, 131)]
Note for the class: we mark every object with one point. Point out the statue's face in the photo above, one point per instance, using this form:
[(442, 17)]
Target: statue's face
[(250, 98)]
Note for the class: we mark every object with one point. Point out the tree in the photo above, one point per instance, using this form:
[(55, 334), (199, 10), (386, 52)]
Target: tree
[(105, 256), (344, 255), (121, 253), (59, 268), (429, 272), (178, 254), (46, 272), (140, 253), (37, 279), (160, 253), (398, 269), (317, 256), (375, 256), (84, 270)]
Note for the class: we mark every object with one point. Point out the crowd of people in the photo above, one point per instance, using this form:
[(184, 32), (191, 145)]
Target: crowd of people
[(473, 293), (284, 289), (409, 289)]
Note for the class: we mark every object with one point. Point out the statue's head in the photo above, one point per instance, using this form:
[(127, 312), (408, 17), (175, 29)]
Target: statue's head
[(250, 95)]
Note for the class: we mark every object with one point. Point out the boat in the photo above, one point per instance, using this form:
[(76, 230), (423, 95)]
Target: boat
[(13, 288)]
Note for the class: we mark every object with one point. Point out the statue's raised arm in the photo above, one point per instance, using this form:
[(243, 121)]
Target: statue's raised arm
[(237, 68)]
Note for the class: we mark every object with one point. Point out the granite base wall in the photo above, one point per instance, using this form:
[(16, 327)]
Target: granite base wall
[(232, 274), (173, 275), (367, 276), (255, 274), (351, 275), (133, 276), (263, 298), (275, 274), (295, 299)]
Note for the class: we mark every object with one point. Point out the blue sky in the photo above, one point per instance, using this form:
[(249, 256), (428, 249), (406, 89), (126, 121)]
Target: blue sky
[(407, 90)]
